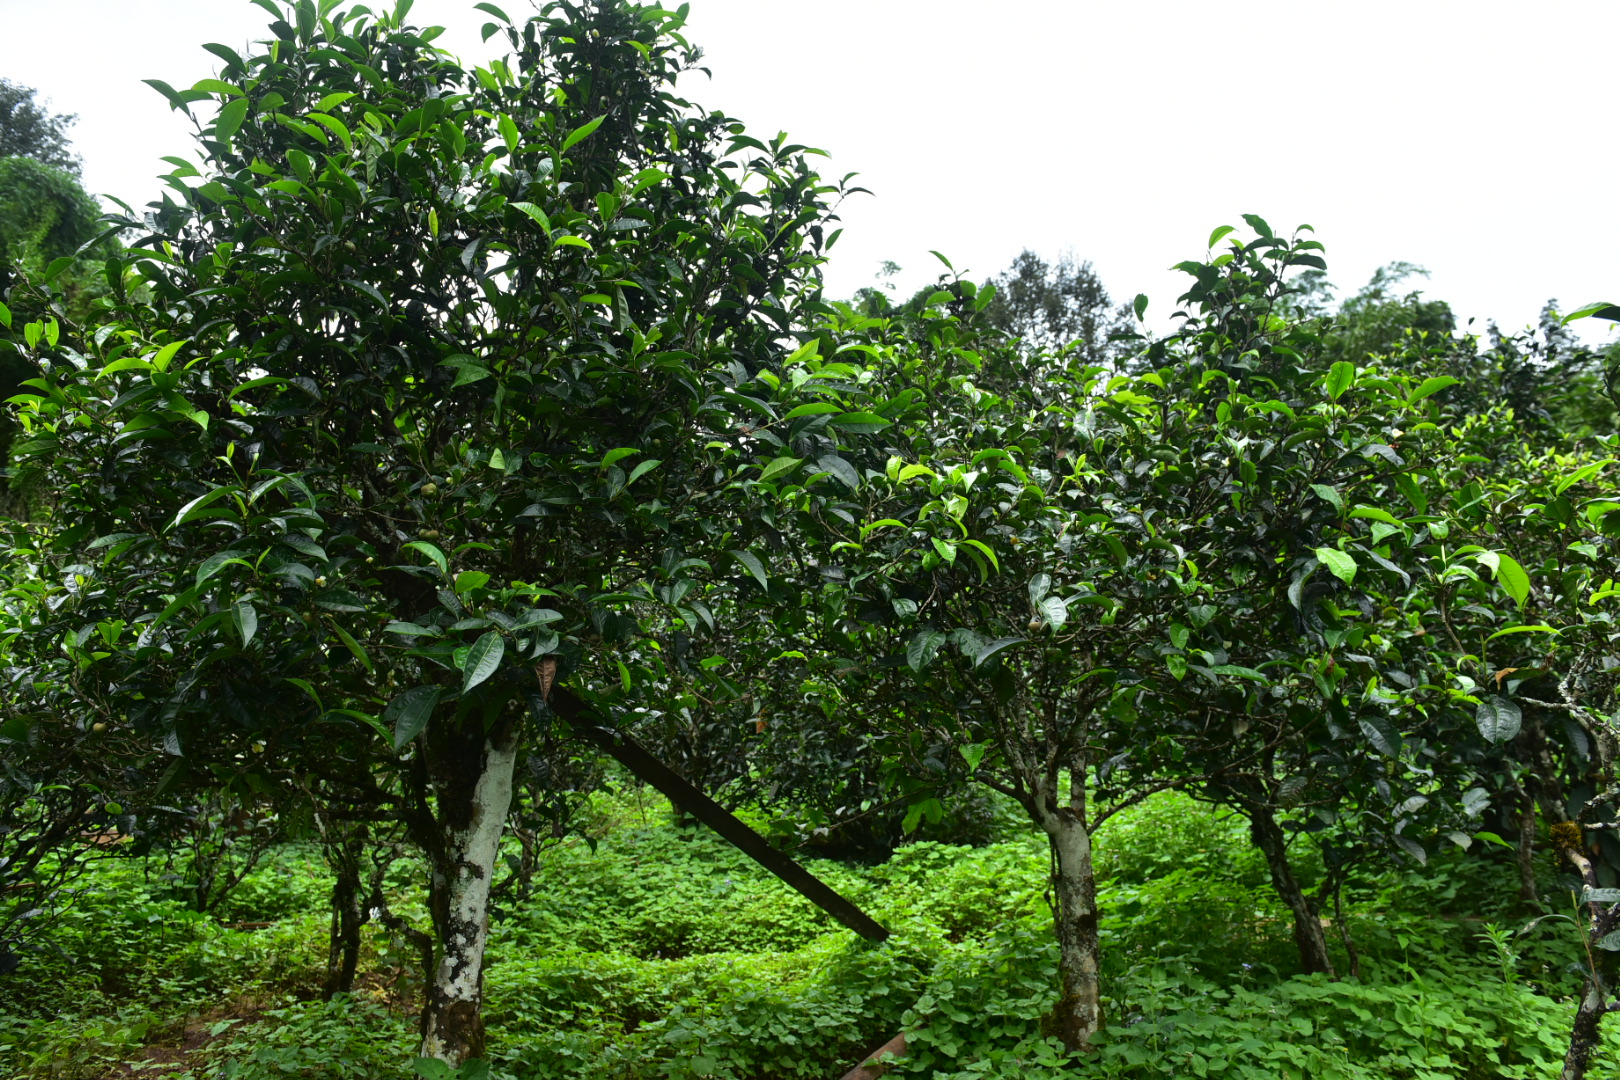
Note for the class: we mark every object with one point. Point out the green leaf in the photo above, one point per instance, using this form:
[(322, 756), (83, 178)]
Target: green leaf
[(535, 213), (1330, 494), (231, 115), (994, 647), (923, 648), (217, 86), (161, 358), (1339, 378), (1600, 310), (332, 101), (1341, 564), (1039, 585), (1431, 386), (983, 549), (1140, 306), (354, 647), (815, 408), (482, 660), (581, 132), (246, 620), (1258, 224), (369, 289), (778, 467), (1511, 576), (1375, 514), (471, 579), (1498, 718), (751, 563), (432, 553), (219, 561), (1585, 472), (409, 713), (861, 423), (1055, 611), (1539, 628), (1218, 235), (1382, 734), (336, 127), (196, 506), (642, 470)]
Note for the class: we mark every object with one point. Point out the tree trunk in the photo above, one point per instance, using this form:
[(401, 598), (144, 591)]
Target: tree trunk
[(348, 916), (1078, 1014), (472, 782), (1527, 850), (1583, 1037), (1308, 935)]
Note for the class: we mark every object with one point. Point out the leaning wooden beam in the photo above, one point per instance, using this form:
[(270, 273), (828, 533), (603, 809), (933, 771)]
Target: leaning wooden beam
[(633, 756)]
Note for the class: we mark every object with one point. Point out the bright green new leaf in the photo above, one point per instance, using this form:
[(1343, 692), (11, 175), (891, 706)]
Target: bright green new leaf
[(1340, 563), (1339, 378), (231, 115), (1431, 386), (1511, 576), (581, 132)]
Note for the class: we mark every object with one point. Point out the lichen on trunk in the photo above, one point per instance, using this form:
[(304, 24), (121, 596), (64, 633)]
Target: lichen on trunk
[(1078, 1014), (472, 784)]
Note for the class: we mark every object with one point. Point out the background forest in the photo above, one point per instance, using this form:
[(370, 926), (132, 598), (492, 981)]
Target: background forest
[(474, 606)]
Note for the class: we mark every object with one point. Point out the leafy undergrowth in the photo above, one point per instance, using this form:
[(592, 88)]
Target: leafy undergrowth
[(664, 954)]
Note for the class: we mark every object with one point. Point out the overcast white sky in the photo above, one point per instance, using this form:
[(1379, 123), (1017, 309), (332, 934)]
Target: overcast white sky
[(1474, 138)]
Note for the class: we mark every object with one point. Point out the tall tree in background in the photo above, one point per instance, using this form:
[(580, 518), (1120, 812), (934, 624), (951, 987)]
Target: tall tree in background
[(45, 216), (28, 129), (1050, 305)]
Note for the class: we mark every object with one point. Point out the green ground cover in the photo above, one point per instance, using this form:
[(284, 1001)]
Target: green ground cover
[(664, 954)]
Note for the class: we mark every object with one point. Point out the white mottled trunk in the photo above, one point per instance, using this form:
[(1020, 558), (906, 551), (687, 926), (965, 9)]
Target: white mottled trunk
[(1074, 893), (452, 1028)]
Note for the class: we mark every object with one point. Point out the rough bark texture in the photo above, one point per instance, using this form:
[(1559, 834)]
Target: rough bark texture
[(473, 787), (1584, 1033), (1308, 935), (348, 916), (1583, 1036), (1078, 1014)]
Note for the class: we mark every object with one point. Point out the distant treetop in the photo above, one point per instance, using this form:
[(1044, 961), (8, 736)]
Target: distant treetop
[(28, 129)]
